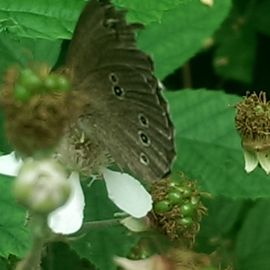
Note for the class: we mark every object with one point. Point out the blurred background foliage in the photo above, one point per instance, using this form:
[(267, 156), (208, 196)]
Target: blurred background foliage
[(207, 56)]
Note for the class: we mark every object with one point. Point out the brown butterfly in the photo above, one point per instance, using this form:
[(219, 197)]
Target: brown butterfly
[(126, 112)]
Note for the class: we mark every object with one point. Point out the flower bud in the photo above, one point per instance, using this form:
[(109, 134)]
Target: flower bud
[(42, 185), (252, 122), (38, 111)]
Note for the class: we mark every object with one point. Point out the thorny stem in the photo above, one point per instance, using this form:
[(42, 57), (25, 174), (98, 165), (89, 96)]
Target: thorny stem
[(40, 236), (101, 224), (33, 260)]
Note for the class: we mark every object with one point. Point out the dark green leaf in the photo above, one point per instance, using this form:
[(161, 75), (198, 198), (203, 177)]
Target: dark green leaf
[(182, 33), (261, 19), (235, 56), (3, 264), (60, 256), (208, 146), (4, 146), (99, 245), (216, 226), (253, 242)]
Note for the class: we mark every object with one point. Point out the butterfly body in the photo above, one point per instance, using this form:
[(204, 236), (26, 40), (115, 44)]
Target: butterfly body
[(125, 111)]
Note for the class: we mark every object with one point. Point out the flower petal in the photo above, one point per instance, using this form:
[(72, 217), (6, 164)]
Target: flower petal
[(9, 164), (264, 160), (154, 262), (127, 193), (68, 218), (136, 224), (209, 3), (251, 160)]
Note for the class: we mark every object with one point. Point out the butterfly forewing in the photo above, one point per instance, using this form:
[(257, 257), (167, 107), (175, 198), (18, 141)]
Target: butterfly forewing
[(126, 112)]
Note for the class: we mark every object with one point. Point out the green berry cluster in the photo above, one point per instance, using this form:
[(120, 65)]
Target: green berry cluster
[(252, 120), (182, 197), (29, 83), (177, 208), (142, 250)]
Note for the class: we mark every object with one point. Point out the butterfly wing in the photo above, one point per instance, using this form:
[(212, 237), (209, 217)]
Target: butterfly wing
[(126, 111)]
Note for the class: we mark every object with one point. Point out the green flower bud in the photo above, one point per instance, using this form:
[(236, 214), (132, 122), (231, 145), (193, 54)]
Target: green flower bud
[(51, 82), (162, 206), (62, 83), (175, 197), (29, 79), (186, 221), (187, 192), (21, 93), (42, 185), (187, 209)]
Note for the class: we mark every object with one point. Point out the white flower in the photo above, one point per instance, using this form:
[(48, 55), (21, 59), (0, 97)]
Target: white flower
[(124, 190), (208, 3), (155, 262), (136, 224), (253, 158)]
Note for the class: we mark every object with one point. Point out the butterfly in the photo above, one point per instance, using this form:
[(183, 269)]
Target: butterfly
[(126, 112)]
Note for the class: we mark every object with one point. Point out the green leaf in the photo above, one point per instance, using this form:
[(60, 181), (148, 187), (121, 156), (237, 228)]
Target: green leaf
[(147, 11), (14, 235), (169, 42), (56, 20), (3, 264), (222, 215), (48, 19), (60, 256), (4, 146), (182, 33), (208, 146), (99, 245), (24, 51), (261, 19), (235, 56), (252, 246)]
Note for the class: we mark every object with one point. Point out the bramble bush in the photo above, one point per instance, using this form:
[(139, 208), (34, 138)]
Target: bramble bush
[(208, 54)]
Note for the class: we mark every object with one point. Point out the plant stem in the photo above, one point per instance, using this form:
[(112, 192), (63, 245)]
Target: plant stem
[(98, 225), (101, 223), (33, 260), (40, 236)]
